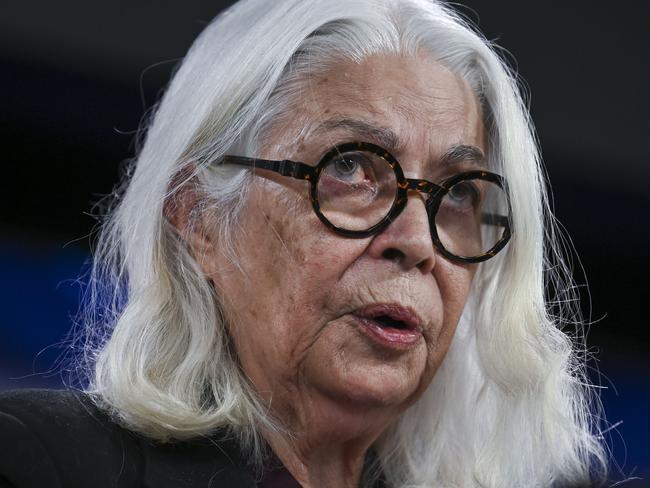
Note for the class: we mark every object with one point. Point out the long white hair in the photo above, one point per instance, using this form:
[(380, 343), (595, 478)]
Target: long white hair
[(509, 407)]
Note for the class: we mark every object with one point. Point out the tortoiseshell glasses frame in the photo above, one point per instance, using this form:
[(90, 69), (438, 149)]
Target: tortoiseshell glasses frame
[(434, 192)]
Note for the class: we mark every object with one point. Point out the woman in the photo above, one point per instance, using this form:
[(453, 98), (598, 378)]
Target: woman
[(332, 198)]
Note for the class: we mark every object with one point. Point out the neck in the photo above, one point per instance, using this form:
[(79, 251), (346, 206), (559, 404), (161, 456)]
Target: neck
[(320, 466), (328, 449)]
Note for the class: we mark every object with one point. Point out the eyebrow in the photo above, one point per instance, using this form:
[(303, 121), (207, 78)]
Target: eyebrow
[(463, 153), (382, 136), (389, 140)]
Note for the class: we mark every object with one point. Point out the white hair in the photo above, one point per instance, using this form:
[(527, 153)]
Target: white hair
[(509, 407)]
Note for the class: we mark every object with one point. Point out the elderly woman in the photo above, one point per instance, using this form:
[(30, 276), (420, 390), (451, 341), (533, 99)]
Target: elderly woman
[(327, 269)]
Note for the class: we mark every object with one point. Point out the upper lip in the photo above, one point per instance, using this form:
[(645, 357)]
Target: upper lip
[(395, 311)]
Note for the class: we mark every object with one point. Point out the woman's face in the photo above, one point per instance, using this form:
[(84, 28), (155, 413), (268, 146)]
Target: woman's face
[(301, 302)]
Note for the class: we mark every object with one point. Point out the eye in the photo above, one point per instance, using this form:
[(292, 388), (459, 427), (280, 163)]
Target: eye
[(350, 168), (464, 195), (345, 167)]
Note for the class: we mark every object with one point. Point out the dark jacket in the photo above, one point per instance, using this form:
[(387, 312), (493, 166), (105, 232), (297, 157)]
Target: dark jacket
[(60, 439)]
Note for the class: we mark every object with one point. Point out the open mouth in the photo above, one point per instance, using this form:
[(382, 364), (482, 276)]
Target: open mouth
[(391, 315), (386, 321), (392, 325)]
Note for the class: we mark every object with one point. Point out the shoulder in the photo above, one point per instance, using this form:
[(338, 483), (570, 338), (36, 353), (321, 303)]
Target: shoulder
[(62, 439), (53, 438), (52, 412)]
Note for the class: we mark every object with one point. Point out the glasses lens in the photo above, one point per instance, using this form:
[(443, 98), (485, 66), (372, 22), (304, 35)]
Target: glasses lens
[(356, 190), (472, 217)]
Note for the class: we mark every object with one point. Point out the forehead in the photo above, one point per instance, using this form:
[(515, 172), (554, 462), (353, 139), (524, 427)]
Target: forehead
[(426, 107)]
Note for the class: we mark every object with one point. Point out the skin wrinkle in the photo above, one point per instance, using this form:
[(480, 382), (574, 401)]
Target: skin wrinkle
[(277, 234), (407, 111), (335, 389)]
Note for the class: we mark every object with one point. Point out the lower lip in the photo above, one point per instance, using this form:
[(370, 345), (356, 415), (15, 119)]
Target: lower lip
[(394, 338)]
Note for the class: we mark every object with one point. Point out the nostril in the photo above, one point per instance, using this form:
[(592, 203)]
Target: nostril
[(393, 254)]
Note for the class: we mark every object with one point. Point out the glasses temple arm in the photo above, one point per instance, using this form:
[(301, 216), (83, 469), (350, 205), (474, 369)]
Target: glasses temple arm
[(495, 219), (300, 171)]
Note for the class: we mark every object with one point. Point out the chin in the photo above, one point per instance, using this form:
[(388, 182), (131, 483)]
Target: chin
[(348, 368), (353, 406), (388, 387), (368, 385)]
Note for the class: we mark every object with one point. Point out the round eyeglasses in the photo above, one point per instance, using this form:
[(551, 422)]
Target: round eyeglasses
[(359, 188)]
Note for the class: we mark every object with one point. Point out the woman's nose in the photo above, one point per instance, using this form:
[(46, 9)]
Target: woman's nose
[(407, 240)]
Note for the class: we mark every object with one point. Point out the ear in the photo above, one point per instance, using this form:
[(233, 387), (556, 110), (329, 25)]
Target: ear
[(183, 211)]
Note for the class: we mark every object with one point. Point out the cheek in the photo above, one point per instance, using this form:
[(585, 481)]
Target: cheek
[(290, 263), (299, 252), (454, 283)]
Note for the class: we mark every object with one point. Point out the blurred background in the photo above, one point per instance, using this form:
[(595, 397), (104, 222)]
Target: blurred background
[(76, 78)]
